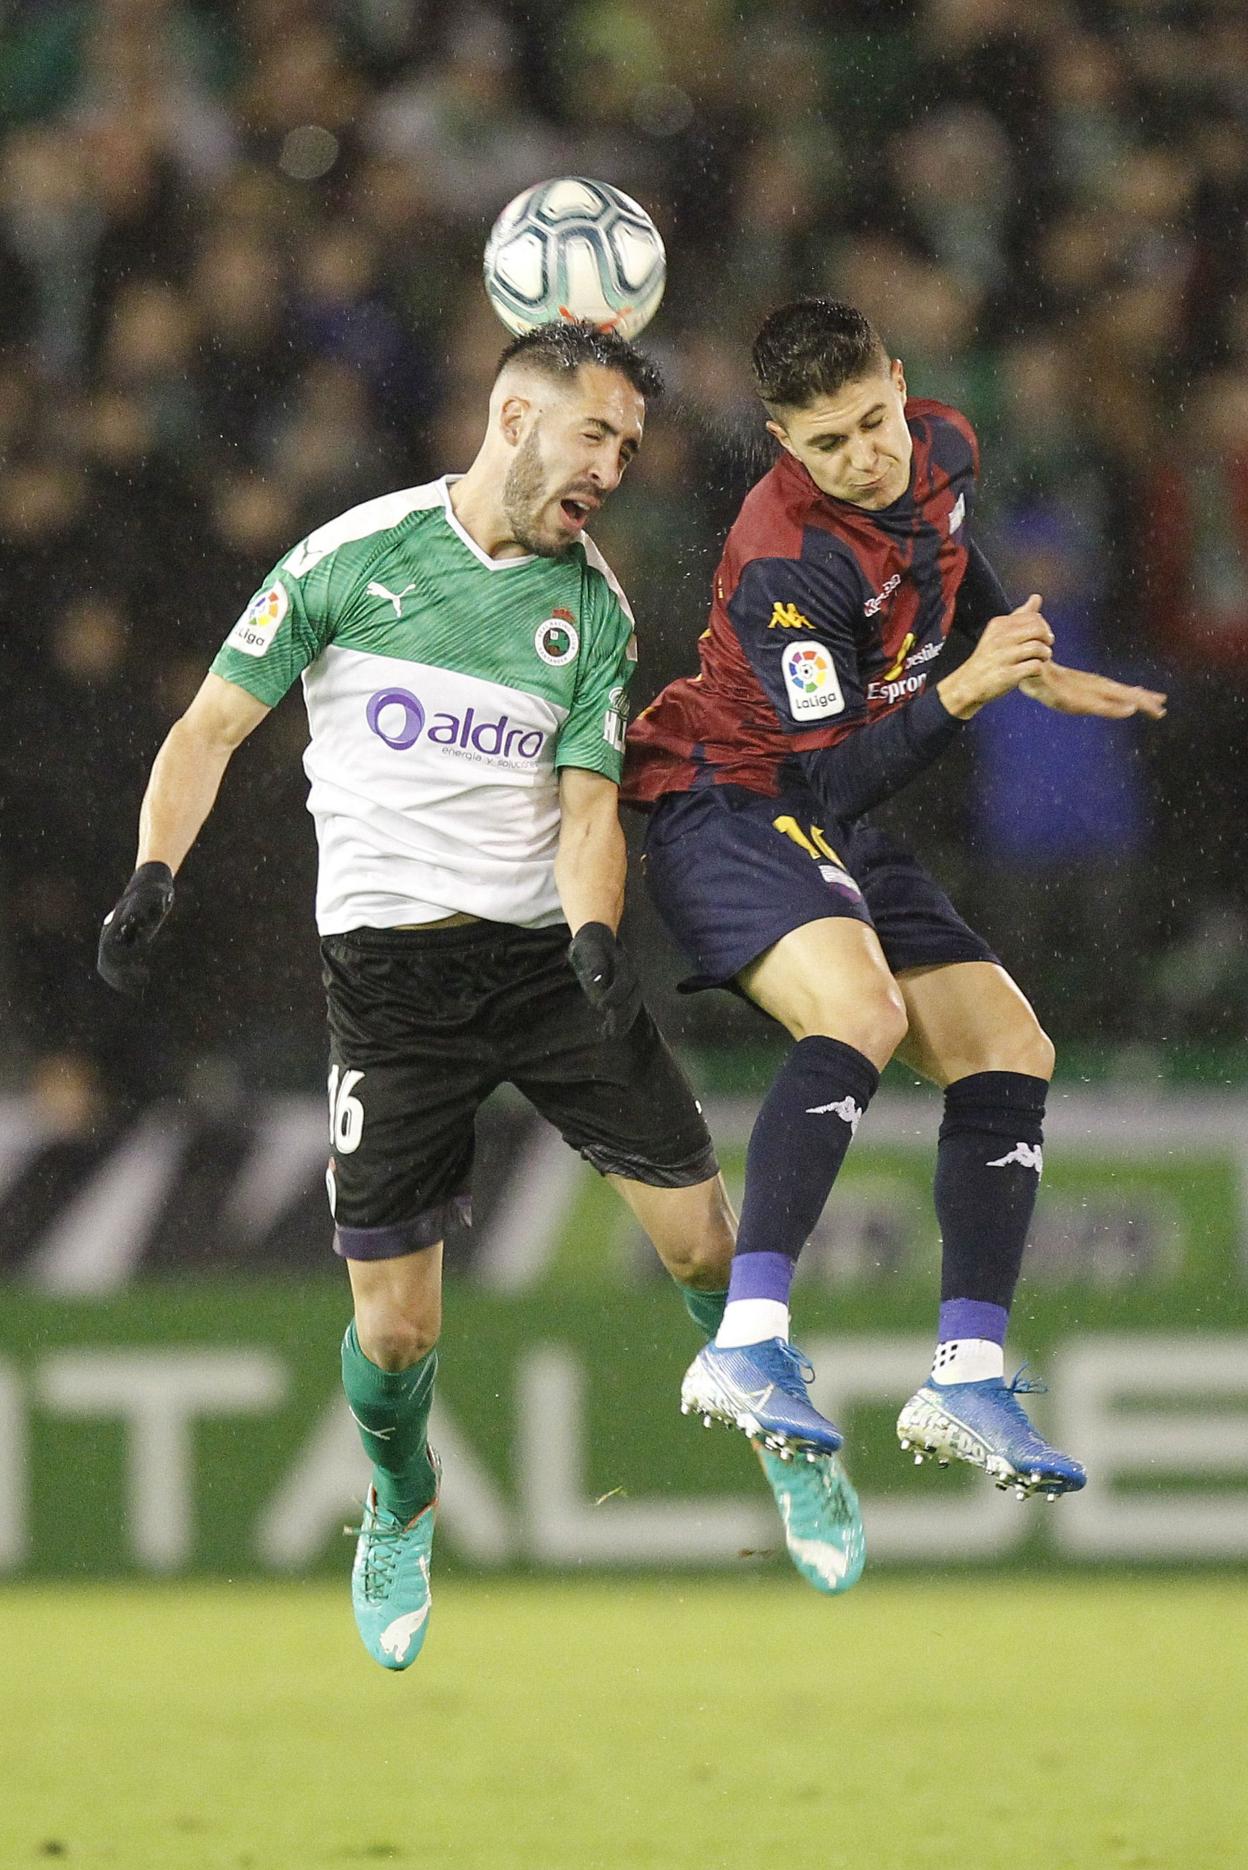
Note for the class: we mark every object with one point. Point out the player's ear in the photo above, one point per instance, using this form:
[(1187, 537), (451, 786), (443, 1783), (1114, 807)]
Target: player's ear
[(782, 436), (511, 417), (899, 378)]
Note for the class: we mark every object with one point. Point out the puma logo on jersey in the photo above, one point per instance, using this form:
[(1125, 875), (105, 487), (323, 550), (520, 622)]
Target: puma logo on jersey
[(845, 1109), (391, 597), (1029, 1155)]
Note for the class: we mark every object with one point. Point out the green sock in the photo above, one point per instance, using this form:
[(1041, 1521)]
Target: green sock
[(391, 1409), (705, 1308)]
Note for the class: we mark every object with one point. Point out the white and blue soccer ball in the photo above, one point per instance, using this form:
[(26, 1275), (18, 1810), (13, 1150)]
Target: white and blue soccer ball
[(572, 248)]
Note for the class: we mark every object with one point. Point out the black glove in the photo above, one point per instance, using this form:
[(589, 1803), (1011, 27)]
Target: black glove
[(130, 929), (606, 976)]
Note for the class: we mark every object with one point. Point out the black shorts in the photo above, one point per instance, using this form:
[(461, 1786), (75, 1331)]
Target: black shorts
[(731, 872), (425, 1023)]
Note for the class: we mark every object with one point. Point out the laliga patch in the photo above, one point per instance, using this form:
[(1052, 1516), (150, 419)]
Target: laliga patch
[(812, 683), (260, 622), (556, 640)]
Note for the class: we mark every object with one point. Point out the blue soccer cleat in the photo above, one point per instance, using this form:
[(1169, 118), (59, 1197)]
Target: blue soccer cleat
[(822, 1523), (760, 1389), (983, 1423), (390, 1579)]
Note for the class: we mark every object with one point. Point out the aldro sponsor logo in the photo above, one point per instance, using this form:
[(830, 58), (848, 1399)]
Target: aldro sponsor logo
[(399, 719)]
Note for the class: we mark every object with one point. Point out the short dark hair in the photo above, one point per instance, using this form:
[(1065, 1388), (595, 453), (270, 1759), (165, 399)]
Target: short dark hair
[(813, 347), (561, 347)]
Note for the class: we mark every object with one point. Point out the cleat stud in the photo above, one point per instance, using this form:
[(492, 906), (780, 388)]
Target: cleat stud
[(1050, 1497), (786, 1454), (918, 1460), (943, 1463), (684, 1408), (706, 1421), (906, 1442), (810, 1455)]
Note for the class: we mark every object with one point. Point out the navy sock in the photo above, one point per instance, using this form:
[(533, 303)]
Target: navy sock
[(800, 1136), (988, 1165)]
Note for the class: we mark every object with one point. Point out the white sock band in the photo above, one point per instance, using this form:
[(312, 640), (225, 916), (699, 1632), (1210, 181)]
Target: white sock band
[(968, 1360), (752, 1321)]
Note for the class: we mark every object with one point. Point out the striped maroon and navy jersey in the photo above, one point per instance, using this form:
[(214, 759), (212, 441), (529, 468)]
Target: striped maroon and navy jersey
[(826, 617)]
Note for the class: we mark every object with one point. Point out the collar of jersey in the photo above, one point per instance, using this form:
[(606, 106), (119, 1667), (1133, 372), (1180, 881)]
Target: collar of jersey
[(491, 564)]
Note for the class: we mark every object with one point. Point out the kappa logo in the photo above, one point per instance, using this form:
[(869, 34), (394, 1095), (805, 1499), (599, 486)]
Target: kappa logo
[(845, 1109), (391, 597), (1027, 1155), (788, 617)]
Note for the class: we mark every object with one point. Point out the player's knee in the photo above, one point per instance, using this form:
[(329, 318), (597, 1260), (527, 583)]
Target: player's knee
[(1037, 1054), (703, 1264), (395, 1340), (890, 1020)]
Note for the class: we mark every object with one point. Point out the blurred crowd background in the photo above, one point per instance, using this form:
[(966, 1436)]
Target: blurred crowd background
[(240, 291)]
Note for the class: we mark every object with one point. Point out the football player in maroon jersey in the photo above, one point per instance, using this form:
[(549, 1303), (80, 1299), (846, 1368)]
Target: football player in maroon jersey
[(825, 685)]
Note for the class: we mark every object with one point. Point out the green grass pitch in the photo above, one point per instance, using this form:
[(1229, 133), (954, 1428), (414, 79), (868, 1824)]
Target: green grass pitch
[(931, 1725)]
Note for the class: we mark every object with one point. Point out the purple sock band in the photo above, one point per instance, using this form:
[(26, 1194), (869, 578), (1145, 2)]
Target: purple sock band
[(761, 1276), (972, 1318)]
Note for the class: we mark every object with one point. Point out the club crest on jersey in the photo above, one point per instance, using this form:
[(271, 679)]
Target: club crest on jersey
[(556, 640), (811, 681), (260, 622)]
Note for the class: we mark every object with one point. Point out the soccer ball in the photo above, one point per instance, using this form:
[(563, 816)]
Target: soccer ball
[(572, 248)]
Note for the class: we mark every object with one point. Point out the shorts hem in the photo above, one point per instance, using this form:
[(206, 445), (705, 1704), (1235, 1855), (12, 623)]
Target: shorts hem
[(392, 1241), (702, 1166)]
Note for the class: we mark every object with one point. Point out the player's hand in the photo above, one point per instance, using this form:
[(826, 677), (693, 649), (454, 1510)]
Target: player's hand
[(1079, 691), (129, 930), (1012, 650), (606, 976)]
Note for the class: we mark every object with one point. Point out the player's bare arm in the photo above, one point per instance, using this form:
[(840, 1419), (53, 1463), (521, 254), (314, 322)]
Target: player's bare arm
[(1013, 649), (181, 791), (187, 771), (1082, 691), (590, 869)]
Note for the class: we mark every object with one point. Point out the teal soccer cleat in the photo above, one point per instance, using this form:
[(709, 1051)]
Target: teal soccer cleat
[(984, 1424), (390, 1579), (822, 1524), (760, 1389)]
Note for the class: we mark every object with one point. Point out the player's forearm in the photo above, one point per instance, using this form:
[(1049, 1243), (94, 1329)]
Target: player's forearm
[(870, 765), (180, 794), (590, 869)]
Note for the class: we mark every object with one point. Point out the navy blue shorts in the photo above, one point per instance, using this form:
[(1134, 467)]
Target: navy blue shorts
[(731, 872)]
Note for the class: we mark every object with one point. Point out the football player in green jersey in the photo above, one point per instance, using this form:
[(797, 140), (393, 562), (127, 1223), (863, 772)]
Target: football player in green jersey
[(465, 654)]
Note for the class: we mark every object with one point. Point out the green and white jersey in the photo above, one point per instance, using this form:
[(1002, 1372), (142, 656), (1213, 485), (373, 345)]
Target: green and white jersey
[(445, 690)]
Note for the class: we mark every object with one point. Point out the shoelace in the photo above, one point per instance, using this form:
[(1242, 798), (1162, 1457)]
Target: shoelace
[(380, 1556), (1026, 1386), (802, 1371)]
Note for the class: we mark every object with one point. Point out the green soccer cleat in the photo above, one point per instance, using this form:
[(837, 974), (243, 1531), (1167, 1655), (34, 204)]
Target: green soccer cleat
[(822, 1523), (390, 1579)]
